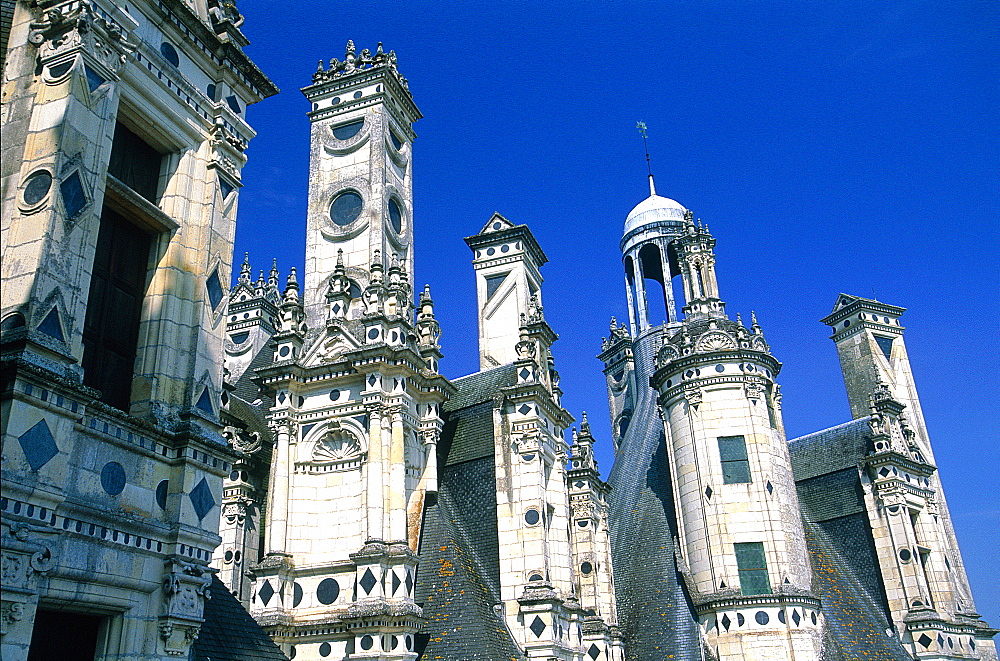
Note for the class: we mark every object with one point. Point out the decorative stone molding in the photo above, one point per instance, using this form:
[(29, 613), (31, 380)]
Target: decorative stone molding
[(186, 587), (65, 29)]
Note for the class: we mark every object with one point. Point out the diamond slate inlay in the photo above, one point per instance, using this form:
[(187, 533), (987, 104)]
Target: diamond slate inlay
[(524, 373), (395, 582), (594, 651), (726, 621), (368, 581), (38, 445), (409, 583), (708, 492), (201, 498), (524, 409), (265, 593), (537, 626)]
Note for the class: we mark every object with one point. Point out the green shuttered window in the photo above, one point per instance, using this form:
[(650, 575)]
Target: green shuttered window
[(753, 568), (735, 466)]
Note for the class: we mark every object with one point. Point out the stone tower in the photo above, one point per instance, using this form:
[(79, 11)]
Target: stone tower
[(360, 174), (927, 590), (741, 540), (507, 262), (356, 398)]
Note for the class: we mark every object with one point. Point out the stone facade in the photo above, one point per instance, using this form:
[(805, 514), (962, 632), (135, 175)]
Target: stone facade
[(123, 143)]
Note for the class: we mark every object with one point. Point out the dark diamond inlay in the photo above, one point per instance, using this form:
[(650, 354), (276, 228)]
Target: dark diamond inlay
[(409, 583), (265, 593), (537, 626), (201, 498), (525, 372), (38, 445), (368, 581), (796, 618), (726, 621), (770, 488), (524, 409), (708, 492), (395, 582), (594, 651)]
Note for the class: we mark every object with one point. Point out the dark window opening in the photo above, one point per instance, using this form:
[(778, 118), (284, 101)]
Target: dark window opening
[(885, 344), (493, 283), (169, 53), (752, 566), (735, 465), (65, 636), (114, 307), (630, 284), (135, 163), (349, 130), (654, 284)]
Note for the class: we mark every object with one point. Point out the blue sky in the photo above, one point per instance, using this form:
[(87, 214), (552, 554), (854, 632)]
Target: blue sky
[(831, 147)]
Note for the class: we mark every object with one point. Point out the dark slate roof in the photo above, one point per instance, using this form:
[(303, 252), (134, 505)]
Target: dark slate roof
[(229, 633), (468, 416), (245, 386), (480, 387), (457, 601), (830, 496), (458, 582), (855, 623), (829, 450), (654, 612)]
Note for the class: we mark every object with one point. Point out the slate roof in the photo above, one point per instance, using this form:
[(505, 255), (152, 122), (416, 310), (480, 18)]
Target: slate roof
[(654, 613), (829, 450), (458, 582), (229, 633), (855, 624)]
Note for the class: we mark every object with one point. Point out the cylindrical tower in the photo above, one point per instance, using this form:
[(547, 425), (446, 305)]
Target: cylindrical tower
[(740, 535)]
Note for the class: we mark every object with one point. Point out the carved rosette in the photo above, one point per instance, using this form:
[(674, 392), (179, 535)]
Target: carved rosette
[(186, 587)]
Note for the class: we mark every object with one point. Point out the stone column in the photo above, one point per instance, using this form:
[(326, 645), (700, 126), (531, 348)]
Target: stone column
[(374, 474), (277, 510), (397, 477)]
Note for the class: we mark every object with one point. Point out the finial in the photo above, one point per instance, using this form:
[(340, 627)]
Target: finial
[(245, 269), (350, 49), (739, 319), (584, 424), (425, 295), (319, 67), (649, 168)]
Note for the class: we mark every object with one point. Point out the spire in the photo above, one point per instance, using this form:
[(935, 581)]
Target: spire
[(272, 279), (291, 287), (245, 269), (649, 168)]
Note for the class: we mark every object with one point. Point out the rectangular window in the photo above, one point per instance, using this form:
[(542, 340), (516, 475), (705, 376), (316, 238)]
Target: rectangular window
[(735, 466), (134, 163), (114, 308), (65, 635), (753, 568)]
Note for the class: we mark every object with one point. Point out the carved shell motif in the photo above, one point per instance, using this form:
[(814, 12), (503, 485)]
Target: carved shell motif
[(666, 354), (715, 341), (338, 444)]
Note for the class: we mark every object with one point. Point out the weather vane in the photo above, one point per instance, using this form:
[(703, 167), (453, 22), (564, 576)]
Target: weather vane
[(642, 129)]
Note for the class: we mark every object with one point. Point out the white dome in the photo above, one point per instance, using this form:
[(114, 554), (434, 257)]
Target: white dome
[(652, 209)]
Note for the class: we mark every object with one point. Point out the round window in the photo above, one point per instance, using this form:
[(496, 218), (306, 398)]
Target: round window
[(586, 568), (395, 216), (37, 187), (346, 208), (328, 591), (531, 517)]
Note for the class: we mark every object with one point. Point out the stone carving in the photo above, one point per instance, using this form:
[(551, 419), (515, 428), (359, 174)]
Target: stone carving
[(338, 444), (715, 341), (354, 61), (693, 396), (10, 612), (224, 15), (244, 442), (74, 27), (186, 587), (754, 389)]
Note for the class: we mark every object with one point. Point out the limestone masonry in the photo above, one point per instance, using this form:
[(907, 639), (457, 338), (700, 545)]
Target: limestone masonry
[(278, 470)]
